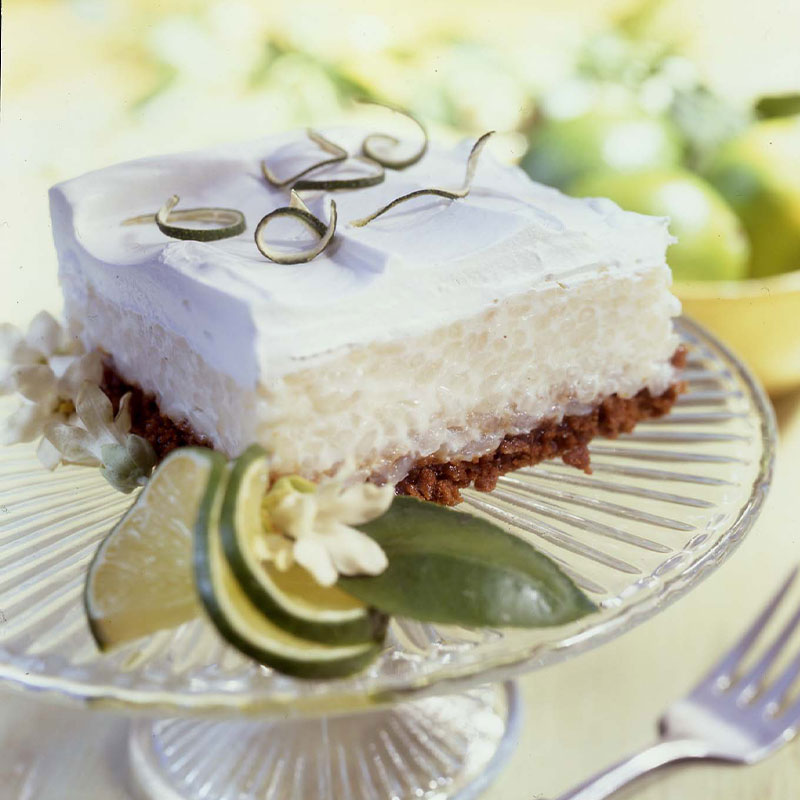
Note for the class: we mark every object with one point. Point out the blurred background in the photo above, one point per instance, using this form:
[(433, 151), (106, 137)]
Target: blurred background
[(676, 107), (658, 104)]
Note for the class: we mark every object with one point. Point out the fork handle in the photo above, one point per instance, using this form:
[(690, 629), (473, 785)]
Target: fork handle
[(663, 752)]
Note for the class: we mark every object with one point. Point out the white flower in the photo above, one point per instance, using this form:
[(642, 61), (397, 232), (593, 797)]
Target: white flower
[(318, 522), (44, 338), (83, 443), (103, 440), (47, 368), (61, 400)]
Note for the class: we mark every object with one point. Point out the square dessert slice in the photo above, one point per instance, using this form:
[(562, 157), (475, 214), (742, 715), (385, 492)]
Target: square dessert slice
[(443, 343)]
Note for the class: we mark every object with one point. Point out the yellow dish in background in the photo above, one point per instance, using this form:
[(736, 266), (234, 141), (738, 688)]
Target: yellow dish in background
[(759, 319)]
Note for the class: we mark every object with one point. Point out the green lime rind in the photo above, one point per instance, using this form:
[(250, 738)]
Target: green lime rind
[(102, 637), (448, 194), (394, 163), (231, 222), (454, 568), (334, 622), (331, 184), (338, 153), (243, 625), (298, 210), (143, 619)]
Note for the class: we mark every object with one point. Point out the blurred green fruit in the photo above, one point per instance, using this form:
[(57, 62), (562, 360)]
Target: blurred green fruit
[(711, 243), (563, 150), (778, 105), (759, 174)]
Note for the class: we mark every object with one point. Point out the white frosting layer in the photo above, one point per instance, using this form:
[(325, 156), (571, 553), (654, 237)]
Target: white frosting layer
[(437, 329), (422, 265)]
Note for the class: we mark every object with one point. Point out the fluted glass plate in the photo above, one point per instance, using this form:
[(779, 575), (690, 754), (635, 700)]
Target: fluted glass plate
[(663, 507)]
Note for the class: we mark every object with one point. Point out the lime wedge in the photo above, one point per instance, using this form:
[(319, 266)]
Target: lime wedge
[(246, 627), (140, 580), (292, 599)]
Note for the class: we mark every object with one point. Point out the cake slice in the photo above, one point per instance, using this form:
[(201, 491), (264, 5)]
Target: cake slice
[(440, 345)]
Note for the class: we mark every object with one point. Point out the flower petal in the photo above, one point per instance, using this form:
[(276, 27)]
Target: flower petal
[(10, 337), (294, 514), (45, 334), (47, 454), (24, 424), (355, 553), (23, 353), (119, 470), (76, 445), (141, 452), (37, 383), (8, 383), (120, 466), (279, 550), (97, 414), (274, 547), (309, 553), (283, 557), (316, 518), (74, 371), (123, 419), (363, 502)]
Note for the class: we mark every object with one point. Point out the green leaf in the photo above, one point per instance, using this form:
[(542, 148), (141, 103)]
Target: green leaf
[(449, 567)]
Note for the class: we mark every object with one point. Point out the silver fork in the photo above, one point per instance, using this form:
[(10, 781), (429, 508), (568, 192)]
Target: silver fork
[(726, 717)]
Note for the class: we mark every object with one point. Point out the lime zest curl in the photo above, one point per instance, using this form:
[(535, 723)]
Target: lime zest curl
[(338, 153), (230, 220), (367, 146), (331, 184), (299, 210), (449, 194)]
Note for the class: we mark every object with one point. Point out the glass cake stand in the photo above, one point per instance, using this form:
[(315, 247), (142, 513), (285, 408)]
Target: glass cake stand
[(431, 718)]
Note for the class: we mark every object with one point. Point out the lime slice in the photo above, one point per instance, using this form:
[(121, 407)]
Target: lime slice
[(292, 599), (140, 580), (245, 627)]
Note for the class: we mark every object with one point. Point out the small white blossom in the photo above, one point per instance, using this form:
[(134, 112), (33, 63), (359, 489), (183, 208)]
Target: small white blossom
[(101, 439), (46, 367), (44, 338), (313, 526), (61, 400), (95, 426)]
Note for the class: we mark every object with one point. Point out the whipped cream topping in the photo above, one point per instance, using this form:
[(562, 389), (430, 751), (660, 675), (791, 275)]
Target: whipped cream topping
[(424, 264)]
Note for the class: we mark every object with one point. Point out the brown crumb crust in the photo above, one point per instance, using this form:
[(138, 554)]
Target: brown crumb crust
[(679, 357), (442, 482), (146, 418)]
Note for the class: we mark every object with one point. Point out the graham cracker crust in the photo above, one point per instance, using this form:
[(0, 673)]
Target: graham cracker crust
[(147, 420), (437, 481), (442, 482)]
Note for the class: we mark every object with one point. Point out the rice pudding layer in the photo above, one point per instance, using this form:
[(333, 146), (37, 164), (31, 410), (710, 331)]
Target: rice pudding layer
[(441, 481)]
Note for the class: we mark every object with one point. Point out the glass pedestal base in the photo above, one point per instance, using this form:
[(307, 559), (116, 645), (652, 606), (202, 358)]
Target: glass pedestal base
[(437, 747)]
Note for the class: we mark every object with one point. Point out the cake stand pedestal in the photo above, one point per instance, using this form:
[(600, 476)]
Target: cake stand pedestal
[(438, 747)]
